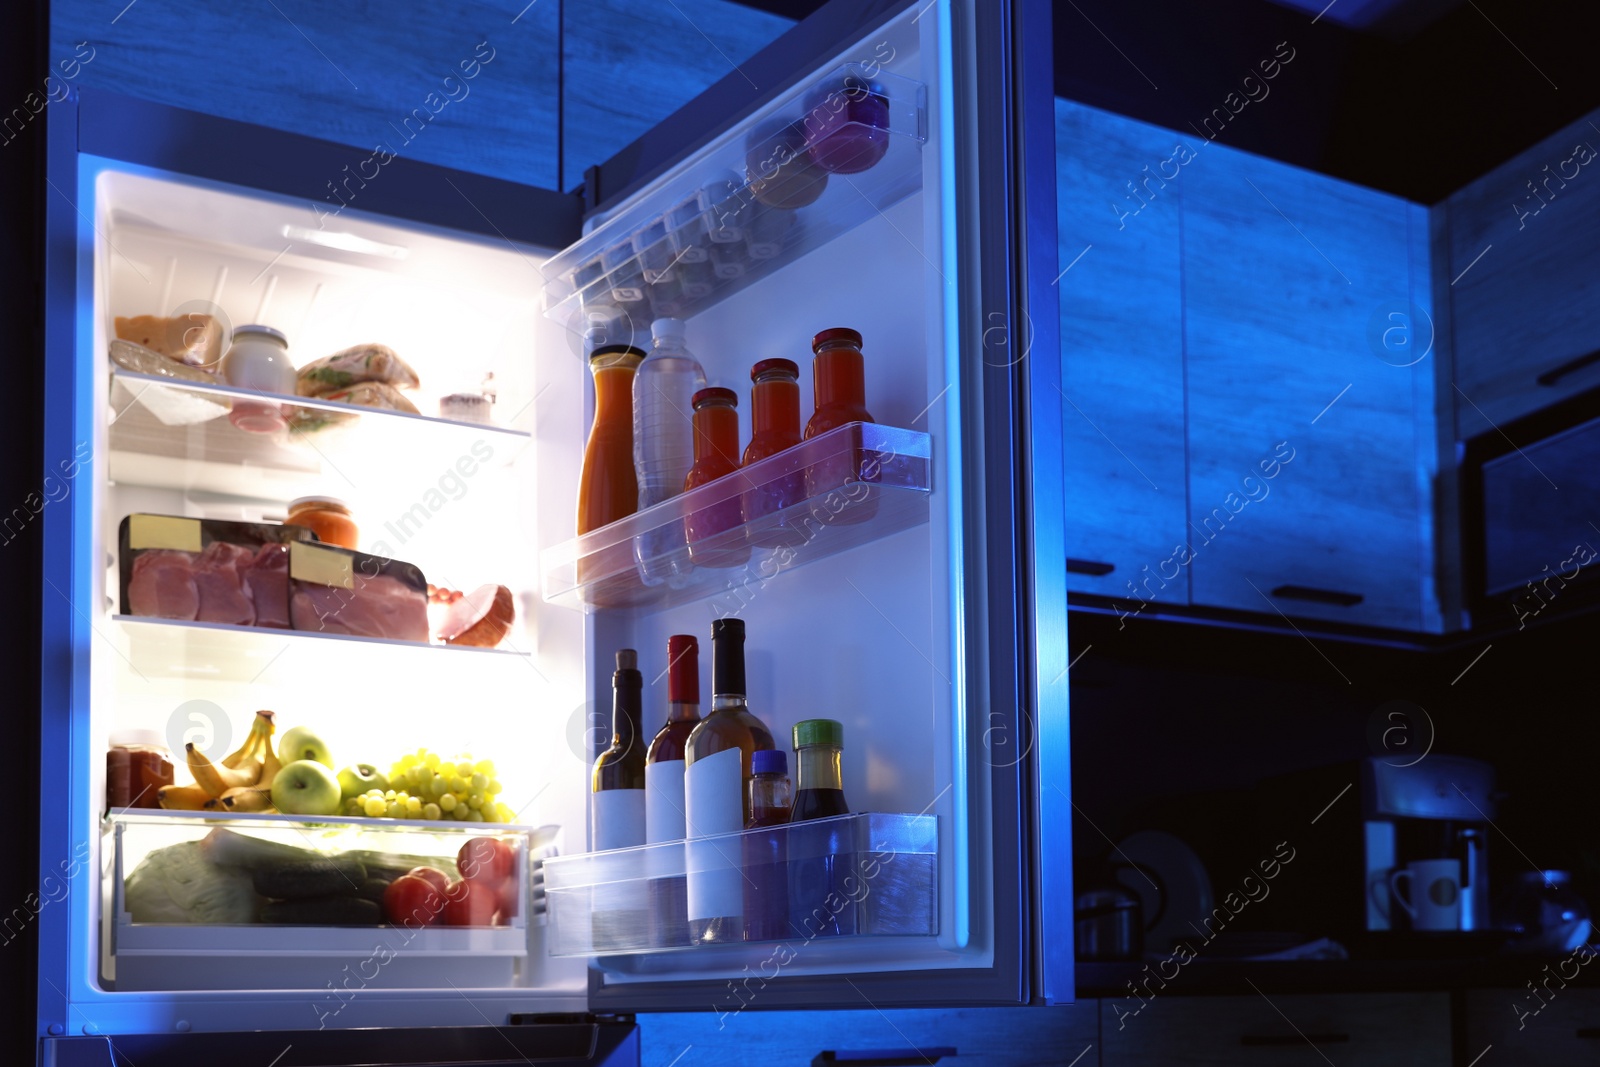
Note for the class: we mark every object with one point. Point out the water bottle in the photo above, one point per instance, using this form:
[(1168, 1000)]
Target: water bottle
[(663, 445)]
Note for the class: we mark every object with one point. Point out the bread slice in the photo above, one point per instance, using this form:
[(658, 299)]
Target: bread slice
[(194, 339)]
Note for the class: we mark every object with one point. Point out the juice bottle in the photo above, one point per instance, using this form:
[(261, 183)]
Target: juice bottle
[(715, 532), (607, 488), (775, 425), (840, 389)]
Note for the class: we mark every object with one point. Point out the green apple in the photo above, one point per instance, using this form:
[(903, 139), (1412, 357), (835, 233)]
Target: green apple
[(300, 743), (306, 787), (353, 781)]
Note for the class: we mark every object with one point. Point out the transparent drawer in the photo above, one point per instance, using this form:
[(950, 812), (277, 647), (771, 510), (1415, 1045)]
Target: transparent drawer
[(274, 901), (853, 876), (843, 488)]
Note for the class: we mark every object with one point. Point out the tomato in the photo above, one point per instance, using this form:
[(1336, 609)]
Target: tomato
[(506, 901), (434, 876), (469, 904), (413, 901), (486, 859)]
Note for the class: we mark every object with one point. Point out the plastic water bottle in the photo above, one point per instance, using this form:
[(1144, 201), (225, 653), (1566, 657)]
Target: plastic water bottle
[(663, 443)]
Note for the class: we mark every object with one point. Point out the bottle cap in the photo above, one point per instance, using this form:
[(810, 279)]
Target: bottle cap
[(616, 355), (769, 761), (627, 675), (727, 657), (838, 333), (319, 502), (818, 732), (147, 738), (683, 669), (774, 366), (664, 329), (261, 331), (715, 394)]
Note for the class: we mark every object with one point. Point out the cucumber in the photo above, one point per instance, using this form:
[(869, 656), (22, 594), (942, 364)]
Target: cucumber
[(373, 888), (228, 849), (302, 879), (322, 911)]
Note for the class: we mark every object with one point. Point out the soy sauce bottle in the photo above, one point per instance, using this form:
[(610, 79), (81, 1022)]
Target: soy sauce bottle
[(821, 854)]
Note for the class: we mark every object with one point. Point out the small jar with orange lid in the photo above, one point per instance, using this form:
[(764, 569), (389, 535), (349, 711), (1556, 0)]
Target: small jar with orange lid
[(326, 516)]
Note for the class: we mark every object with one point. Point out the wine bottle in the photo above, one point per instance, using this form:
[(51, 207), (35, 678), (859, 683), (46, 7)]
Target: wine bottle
[(663, 790), (616, 801), (717, 765)]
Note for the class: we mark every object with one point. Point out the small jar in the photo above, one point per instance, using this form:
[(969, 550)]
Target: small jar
[(137, 766), (258, 359), (775, 427), (326, 516), (839, 389), (715, 533)]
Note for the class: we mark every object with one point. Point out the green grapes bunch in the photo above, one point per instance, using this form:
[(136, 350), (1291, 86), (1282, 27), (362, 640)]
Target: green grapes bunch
[(424, 785)]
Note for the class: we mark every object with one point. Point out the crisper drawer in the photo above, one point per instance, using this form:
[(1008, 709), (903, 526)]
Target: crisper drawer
[(862, 875), (1368, 1030), (1553, 1027), (282, 902)]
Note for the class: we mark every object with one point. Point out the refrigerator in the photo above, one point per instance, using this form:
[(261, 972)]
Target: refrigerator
[(926, 612)]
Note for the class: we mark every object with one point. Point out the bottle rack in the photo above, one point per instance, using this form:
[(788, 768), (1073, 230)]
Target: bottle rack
[(852, 876), (849, 486), (712, 231)]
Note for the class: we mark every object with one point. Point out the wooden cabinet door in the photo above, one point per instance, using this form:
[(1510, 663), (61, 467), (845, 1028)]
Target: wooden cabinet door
[(1310, 444), (1365, 1030), (1121, 352), (1524, 266), (1553, 1027)]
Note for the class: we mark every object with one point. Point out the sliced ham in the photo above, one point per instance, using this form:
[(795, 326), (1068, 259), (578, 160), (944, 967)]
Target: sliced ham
[(162, 585), (266, 582), (218, 577), (378, 606)]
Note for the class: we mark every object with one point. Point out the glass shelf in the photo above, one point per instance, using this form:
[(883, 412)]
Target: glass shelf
[(221, 932), (843, 488), (171, 433), (177, 648), (850, 877), (750, 206)]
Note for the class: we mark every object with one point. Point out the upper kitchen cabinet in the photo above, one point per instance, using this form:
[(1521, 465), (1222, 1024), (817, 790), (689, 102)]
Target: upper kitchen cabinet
[(1524, 272), (472, 85), (1122, 353), (1310, 386)]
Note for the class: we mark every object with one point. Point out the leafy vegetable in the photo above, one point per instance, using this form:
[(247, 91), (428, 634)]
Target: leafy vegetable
[(178, 884)]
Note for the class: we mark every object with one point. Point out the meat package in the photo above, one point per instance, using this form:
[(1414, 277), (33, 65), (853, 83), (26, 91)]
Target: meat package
[(266, 574)]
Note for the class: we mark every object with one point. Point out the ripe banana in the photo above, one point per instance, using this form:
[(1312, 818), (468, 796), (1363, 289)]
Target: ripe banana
[(269, 756), (236, 758), (248, 798), (216, 780), (182, 797)]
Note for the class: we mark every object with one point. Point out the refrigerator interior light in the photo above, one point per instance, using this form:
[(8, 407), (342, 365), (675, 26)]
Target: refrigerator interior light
[(345, 242)]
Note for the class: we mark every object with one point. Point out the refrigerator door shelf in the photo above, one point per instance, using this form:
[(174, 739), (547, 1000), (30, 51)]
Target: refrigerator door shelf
[(828, 156), (852, 877), (847, 487), (204, 885), (173, 434)]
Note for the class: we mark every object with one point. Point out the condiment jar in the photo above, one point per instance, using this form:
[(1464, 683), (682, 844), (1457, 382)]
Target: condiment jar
[(258, 359), (839, 387), (137, 766), (326, 516), (715, 533), (775, 427)]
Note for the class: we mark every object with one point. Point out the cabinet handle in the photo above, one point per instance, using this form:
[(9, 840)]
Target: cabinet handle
[(1274, 1040), (882, 1057), (1555, 374), (1088, 566), (1320, 596)]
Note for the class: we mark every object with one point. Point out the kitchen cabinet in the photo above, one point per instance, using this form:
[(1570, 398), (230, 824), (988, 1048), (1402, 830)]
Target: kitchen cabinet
[(1524, 267), (1121, 353), (1554, 1027), (1310, 457), (1364, 1030)]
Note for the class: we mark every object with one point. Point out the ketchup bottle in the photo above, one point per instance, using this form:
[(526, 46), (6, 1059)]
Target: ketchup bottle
[(840, 389), (715, 532), (775, 423)]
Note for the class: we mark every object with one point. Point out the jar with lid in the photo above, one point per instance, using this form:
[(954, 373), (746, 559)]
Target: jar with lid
[(258, 359), (775, 427), (715, 532), (138, 764), (326, 516), (838, 386)]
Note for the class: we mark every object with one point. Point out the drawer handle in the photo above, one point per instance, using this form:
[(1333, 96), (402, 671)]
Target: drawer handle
[(1088, 566), (1555, 374), (1320, 596), (1274, 1040), (882, 1057), (1588, 1033)]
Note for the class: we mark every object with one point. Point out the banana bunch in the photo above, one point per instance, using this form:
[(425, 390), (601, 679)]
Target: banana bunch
[(242, 781)]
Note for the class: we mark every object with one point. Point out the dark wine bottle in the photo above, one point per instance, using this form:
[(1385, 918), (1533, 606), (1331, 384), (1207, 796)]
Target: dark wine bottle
[(617, 797), (664, 801)]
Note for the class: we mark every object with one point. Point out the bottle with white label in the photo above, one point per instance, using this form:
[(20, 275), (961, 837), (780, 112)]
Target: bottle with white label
[(717, 766), (617, 811), (663, 791)]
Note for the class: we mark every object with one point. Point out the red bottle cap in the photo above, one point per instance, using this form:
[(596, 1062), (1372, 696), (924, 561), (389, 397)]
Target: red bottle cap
[(838, 333), (769, 366), (683, 669), (715, 393)]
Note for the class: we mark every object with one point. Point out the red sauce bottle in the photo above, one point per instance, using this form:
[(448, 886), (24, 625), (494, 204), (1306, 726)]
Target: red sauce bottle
[(775, 425), (839, 386), (715, 533)]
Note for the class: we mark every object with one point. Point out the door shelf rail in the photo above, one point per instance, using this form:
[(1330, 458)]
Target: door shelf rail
[(854, 484)]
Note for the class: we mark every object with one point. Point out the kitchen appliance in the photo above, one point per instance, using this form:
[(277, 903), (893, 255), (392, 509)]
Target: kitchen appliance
[(924, 627), (1110, 924), (1546, 914), (1436, 808)]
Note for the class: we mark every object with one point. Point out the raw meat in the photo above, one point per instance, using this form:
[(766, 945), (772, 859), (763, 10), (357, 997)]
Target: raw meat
[(163, 586), (266, 582), (378, 606), (223, 596)]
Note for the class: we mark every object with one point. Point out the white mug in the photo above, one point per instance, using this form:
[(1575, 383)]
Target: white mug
[(1434, 892)]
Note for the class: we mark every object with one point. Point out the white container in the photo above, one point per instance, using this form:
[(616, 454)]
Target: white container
[(258, 359)]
